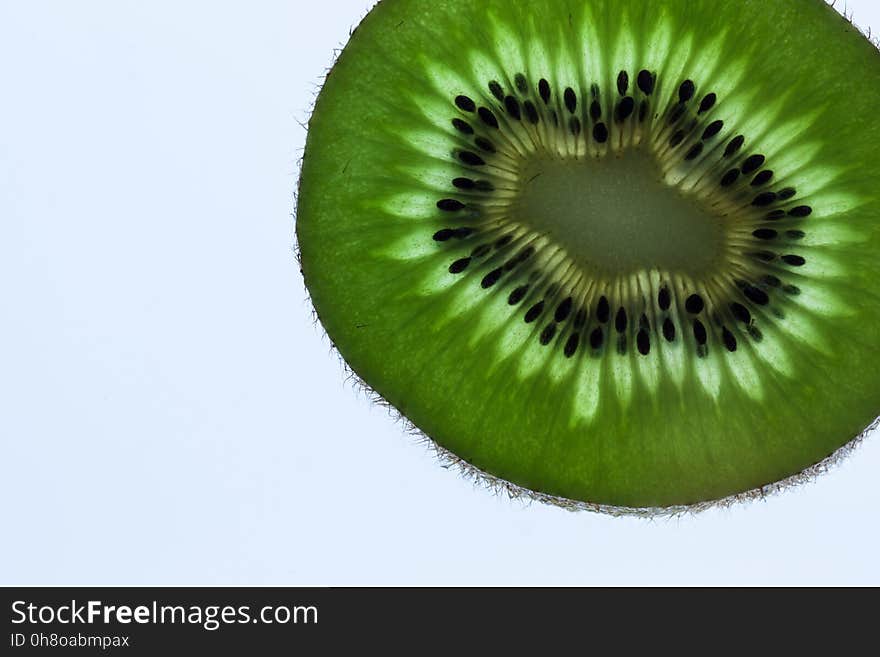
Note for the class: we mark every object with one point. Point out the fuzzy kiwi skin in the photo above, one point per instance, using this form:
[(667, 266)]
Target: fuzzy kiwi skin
[(668, 447)]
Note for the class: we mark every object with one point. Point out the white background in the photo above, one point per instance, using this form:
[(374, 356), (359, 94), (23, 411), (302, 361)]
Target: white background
[(168, 411)]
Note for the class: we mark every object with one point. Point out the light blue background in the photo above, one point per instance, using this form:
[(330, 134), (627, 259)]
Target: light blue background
[(168, 411)]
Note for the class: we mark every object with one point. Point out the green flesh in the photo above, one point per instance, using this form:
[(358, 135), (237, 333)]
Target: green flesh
[(623, 220)]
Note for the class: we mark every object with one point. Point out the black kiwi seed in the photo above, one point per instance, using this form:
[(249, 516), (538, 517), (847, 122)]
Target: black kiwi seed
[(794, 260), (511, 104), (464, 183), (787, 193), (801, 211), (463, 126), (713, 129), (622, 83), (730, 177), (548, 334), (525, 254), (677, 113), (700, 332), (741, 312), (581, 318), (485, 145), (695, 151), (795, 234), (574, 124), (600, 133), (765, 234), (571, 345), (517, 295), (625, 109), (707, 103), (450, 205), (531, 112), (471, 159), (459, 265), (513, 263), (645, 80), (620, 320), (752, 163), (771, 280), (668, 330), (544, 90), (563, 310), (643, 341), (757, 295), (595, 110), (496, 90), (534, 312), (521, 83), (763, 256), (465, 104), (694, 304), (570, 99), (603, 310), (597, 337), (686, 91), (664, 299), (676, 138), (775, 214), (763, 178), (729, 339), (444, 235), (491, 278), (764, 199), (488, 117), (735, 144)]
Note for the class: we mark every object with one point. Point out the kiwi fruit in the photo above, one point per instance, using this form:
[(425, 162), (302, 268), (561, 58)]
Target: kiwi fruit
[(614, 254)]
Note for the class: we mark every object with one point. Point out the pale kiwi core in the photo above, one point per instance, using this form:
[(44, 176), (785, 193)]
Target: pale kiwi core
[(617, 214)]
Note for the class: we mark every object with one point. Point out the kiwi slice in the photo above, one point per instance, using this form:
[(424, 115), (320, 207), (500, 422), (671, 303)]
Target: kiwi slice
[(615, 253)]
